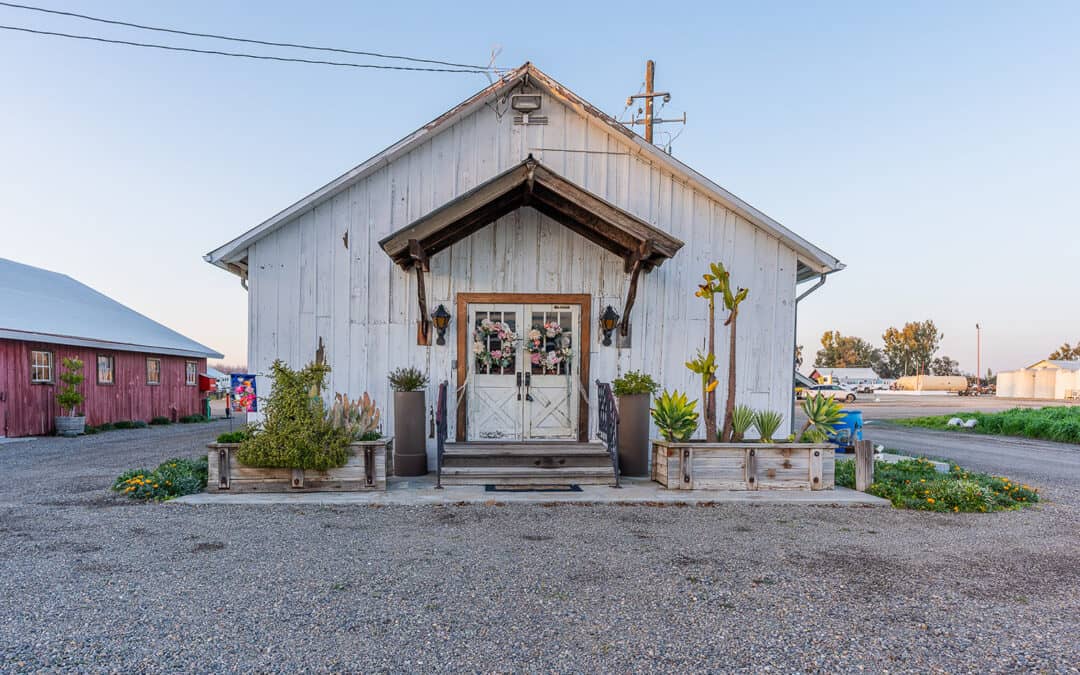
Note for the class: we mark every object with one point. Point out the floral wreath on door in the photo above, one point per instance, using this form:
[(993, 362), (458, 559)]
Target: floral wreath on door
[(548, 347)]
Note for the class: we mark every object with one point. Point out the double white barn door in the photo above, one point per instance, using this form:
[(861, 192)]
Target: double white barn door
[(523, 380)]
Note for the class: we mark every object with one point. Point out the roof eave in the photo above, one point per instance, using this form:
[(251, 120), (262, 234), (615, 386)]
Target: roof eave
[(75, 341)]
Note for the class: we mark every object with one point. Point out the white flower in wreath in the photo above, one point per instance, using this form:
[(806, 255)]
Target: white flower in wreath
[(552, 329), (478, 348)]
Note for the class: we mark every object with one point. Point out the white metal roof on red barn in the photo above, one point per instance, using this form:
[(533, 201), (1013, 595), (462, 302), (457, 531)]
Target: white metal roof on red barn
[(42, 306)]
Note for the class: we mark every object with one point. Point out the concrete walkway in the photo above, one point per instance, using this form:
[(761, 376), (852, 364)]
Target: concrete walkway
[(421, 491)]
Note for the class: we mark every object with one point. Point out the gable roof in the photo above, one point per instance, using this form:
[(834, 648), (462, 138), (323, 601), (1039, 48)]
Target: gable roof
[(44, 306), (530, 183), (813, 261)]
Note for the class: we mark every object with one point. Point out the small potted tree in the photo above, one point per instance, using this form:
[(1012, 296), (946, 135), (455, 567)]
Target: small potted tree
[(70, 398), (410, 446), (635, 390)]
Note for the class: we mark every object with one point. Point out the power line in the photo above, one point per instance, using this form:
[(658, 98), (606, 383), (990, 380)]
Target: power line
[(239, 39), (241, 55)]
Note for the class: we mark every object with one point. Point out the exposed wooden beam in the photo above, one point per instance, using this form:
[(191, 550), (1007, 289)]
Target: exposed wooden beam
[(637, 263), (421, 264)]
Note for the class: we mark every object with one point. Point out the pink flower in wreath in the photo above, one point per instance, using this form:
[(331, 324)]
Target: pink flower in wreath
[(496, 353), (536, 358)]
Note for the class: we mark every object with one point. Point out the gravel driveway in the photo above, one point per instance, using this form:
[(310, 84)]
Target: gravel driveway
[(89, 581)]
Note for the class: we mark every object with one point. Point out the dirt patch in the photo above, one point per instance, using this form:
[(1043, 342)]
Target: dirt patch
[(204, 546)]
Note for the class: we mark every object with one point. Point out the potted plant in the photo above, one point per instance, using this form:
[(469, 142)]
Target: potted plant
[(410, 445), (635, 390), (70, 398)]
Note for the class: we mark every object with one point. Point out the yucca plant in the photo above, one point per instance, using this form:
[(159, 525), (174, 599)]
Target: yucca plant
[(675, 416), (767, 422), (742, 418), (822, 415)]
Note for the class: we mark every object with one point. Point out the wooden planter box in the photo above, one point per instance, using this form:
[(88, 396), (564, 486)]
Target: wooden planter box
[(368, 466), (743, 466)]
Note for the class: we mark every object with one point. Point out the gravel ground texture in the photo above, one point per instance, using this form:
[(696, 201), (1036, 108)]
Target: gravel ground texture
[(94, 582)]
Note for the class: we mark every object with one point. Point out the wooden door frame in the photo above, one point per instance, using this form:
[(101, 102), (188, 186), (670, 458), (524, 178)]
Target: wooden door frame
[(584, 303)]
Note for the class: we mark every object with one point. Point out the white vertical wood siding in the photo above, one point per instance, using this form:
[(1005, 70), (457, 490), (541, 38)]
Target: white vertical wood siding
[(305, 285)]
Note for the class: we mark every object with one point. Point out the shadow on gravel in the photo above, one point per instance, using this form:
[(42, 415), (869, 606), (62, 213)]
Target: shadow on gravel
[(94, 500)]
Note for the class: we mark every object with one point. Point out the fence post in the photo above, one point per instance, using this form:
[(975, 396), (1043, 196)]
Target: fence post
[(864, 465)]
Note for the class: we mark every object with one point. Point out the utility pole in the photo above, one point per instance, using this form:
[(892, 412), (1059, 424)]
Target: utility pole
[(649, 120), (978, 356)]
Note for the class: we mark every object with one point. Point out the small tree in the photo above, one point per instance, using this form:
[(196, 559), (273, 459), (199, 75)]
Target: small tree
[(732, 300), (70, 397)]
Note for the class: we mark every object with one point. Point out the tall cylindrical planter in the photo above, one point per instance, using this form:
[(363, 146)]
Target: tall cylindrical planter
[(634, 434), (410, 446)]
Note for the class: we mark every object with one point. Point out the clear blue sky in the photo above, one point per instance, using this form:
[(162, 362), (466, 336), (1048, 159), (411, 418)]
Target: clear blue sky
[(934, 147)]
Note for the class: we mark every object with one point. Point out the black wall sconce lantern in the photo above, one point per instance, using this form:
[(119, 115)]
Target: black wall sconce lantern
[(441, 319), (608, 322)]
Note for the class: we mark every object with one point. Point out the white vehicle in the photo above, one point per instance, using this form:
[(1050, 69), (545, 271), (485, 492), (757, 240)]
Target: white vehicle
[(835, 391)]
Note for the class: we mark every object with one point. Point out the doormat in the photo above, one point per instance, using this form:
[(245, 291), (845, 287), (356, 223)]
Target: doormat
[(532, 488)]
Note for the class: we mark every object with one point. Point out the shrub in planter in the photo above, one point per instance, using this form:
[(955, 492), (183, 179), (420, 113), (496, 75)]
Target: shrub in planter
[(297, 432), (70, 398), (742, 418), (822, 415), (173, 478), (634, 382), (410, 446), (234, 436)]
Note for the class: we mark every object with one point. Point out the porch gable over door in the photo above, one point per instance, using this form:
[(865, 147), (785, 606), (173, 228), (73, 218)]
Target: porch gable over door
[(532, 184)]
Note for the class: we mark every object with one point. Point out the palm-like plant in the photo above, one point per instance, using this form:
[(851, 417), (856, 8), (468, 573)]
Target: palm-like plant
[(741, 420), (822, 415), (767, 422), (732, 300), (675, 416)]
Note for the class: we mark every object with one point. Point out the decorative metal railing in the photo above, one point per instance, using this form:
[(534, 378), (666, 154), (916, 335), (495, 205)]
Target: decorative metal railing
[(608, 423), (440, 434)]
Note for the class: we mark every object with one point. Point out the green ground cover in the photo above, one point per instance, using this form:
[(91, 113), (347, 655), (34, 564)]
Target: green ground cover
[(1056, 423)]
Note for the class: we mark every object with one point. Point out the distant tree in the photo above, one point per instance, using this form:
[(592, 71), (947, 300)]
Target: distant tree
[(845, 351), (943, 365), (910, 350), (1066, 353), (798, 357), (228, 369)]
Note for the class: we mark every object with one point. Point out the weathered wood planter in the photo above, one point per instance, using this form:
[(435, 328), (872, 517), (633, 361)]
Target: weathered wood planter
[(743, 466), (369, 464)]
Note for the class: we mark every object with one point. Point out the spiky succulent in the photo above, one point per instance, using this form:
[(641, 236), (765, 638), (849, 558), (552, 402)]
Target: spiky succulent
[(822, 415), (767, 422), (742, 418)]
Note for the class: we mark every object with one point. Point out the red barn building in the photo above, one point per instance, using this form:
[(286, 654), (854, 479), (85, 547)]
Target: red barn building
[(135, 368)]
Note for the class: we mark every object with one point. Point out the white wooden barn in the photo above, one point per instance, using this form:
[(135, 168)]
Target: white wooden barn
[(523, 205)]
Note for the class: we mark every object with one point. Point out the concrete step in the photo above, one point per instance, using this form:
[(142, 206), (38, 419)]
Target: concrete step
[(511, 475), (533, 449)]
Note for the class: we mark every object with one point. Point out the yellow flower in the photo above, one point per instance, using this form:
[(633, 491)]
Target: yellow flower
[(956, 508), (930, 500), (922, 480)]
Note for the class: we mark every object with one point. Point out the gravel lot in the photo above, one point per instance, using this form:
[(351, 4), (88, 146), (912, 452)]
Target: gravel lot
[(89, 581)]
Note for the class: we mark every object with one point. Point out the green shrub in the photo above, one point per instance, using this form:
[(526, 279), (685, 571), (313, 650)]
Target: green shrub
[(194, 419), (370, 436), (1052, 423), (172, 478), (916, 484), (297, 432), (160, 420), (634, 382), (70, 397), (742, 418), (122, 424), (407, 379), (234, 436), (138, 424)]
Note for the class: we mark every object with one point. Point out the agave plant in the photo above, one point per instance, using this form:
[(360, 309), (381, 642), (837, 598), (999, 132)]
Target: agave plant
[(675, 416), (822, 415), (741, 420), (767, 422)]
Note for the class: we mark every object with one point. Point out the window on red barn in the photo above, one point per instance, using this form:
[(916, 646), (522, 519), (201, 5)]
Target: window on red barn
[(153, 371), (41, 367), (106, 369), (191, 373)]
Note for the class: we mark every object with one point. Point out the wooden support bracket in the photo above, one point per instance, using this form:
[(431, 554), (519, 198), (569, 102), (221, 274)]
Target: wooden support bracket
[(635, 262), (421, 264)]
